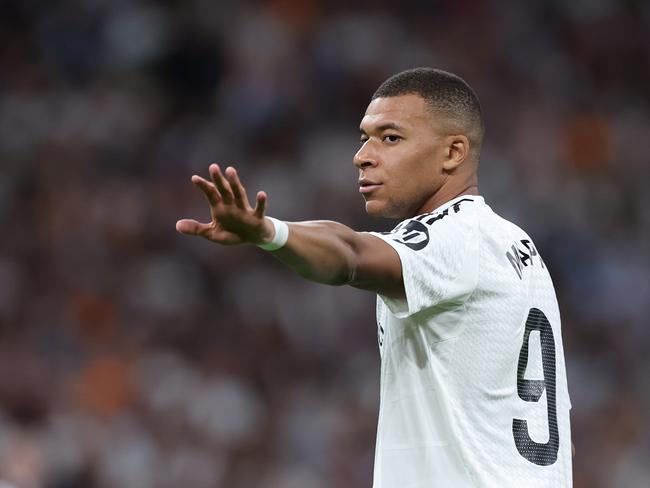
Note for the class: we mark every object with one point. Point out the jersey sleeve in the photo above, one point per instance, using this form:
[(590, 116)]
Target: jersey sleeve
[(439, 258)]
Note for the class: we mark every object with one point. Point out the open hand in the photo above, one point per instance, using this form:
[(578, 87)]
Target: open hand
[(234, 221)]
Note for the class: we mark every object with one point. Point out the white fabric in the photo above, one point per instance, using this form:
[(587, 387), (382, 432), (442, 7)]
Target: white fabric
[(450, 353), (280, 237)]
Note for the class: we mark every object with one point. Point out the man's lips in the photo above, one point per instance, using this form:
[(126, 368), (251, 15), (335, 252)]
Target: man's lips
[(366, 186)]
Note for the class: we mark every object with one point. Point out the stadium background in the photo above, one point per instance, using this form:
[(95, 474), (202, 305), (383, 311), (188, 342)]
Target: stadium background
[(133, 357)]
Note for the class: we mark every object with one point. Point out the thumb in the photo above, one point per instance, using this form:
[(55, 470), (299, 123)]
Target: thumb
[(191, 227)]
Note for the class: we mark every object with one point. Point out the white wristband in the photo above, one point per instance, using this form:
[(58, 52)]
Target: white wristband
[(280, 238)]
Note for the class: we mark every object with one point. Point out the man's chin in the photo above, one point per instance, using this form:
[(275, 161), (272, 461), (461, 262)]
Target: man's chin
[(376, 208)]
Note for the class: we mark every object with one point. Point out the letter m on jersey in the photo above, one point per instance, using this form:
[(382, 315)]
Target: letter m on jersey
[(515, 260)]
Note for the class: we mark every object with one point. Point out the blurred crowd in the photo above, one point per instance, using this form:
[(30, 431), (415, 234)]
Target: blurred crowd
[(133, 357)]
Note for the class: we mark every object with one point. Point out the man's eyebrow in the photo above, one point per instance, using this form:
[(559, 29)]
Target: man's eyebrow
[(383, 127)]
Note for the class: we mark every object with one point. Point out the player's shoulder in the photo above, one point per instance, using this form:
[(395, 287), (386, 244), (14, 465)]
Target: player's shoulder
[(499, 226), (451, 218), (509, 243)]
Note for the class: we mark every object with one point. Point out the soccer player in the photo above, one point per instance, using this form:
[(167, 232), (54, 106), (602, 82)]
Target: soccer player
[(473, 381)]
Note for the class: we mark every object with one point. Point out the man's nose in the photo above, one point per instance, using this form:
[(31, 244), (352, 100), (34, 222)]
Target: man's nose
[(364, 158)]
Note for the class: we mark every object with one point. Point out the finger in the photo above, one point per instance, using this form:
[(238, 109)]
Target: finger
[(260, 207), (192, 227), (208, 190), (238, 190), (221, 183)]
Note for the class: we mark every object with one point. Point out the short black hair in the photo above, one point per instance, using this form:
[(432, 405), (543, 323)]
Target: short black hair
[(446, 94)]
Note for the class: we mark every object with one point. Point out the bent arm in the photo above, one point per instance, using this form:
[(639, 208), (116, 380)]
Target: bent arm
[(331, 253)]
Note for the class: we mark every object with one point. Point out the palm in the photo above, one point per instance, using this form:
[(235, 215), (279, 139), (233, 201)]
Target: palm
[(234, 221)]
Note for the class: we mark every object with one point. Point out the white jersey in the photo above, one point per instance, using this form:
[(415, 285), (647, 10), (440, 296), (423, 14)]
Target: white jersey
[(473, 380)]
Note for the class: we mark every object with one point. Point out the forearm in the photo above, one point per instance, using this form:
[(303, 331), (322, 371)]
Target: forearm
[(321, 251)]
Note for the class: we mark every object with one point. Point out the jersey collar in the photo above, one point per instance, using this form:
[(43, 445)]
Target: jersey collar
[(450, 203)]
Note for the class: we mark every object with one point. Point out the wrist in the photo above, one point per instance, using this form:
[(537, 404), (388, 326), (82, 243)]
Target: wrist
[(279, 237)]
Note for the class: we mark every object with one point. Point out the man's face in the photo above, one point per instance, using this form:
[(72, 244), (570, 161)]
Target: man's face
[(400, 160)]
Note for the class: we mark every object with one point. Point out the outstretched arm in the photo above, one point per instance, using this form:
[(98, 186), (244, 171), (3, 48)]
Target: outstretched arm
[(321, 251)]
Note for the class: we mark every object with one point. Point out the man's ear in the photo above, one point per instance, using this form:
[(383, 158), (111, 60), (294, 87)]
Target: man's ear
[(457, 151)]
